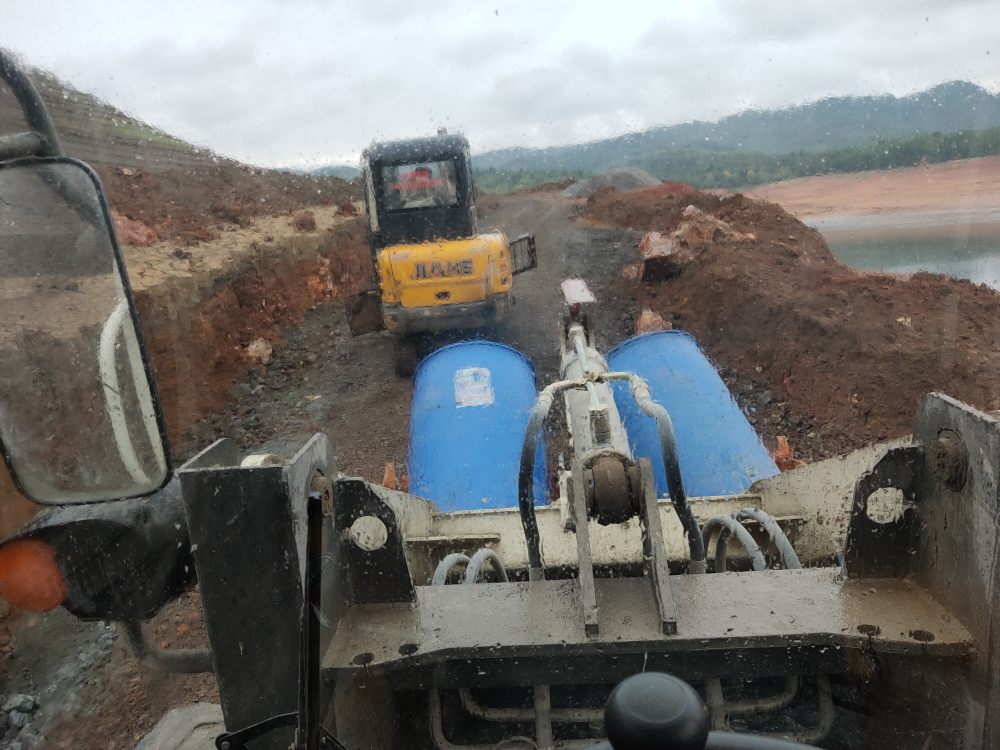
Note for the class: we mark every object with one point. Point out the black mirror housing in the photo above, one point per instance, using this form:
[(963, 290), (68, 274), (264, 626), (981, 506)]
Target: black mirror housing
[(80, 419)]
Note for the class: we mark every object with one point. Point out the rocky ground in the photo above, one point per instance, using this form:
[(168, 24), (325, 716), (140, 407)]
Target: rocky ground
[(323, 379), (832, 357)]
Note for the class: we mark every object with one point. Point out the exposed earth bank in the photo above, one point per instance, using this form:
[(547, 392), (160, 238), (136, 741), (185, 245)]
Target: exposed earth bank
[(960, 184), (793, 329)]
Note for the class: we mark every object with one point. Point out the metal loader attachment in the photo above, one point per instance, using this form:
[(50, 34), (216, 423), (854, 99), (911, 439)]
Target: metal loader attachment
[(814, 632), (619, 590)]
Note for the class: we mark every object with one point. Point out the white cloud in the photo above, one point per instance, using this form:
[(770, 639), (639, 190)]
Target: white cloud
[(283, 81)]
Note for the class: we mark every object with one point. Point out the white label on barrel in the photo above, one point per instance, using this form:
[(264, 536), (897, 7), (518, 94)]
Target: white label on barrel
[(472, 387)]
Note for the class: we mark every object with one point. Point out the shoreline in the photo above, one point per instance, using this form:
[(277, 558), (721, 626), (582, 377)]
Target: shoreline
[(933, 199), (952, 225)]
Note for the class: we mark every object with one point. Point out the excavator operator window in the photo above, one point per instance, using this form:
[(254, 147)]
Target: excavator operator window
[(424, 185)]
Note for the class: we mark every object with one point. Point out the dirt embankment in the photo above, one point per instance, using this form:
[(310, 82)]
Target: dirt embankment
[(189, 206), (202, 303), (199, 322), (228, 264), (834, 357)]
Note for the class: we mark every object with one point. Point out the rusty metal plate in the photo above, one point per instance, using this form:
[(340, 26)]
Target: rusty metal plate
[(766, 611)]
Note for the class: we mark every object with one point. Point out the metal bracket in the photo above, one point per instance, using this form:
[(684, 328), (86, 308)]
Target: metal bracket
[(654, 552), (238, 740), (523, 256), (588, 594), (382, 574), (248, 528), (884, 550)]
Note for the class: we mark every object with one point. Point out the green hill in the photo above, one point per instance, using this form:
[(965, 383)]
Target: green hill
[(739, 169), (833, 123)]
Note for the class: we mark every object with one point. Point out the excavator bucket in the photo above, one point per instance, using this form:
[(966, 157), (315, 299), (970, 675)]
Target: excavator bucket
[(522, 254)]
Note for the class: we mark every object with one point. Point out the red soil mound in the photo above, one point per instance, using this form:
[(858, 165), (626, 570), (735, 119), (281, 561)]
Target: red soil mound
[(665, 190), (850, 352)]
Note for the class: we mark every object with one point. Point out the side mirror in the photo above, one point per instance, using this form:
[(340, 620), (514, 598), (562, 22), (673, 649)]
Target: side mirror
[(79, 415)]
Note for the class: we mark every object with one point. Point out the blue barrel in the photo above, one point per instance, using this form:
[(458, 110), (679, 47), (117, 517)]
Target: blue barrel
[(719, 451), (470, 409)]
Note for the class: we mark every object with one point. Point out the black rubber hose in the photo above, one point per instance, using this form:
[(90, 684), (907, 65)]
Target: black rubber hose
[(728, 525), (526, 481), (785, 549), (671, 464)]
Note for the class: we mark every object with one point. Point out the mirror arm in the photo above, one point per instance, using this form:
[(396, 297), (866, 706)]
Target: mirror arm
[(43, 140), (18, 145), (180, 660)]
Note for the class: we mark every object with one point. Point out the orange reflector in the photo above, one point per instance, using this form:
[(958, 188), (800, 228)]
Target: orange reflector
[(29, 576)]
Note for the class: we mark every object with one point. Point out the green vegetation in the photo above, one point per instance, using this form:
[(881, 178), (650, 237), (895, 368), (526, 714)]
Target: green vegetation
[(135, 129), (734, 169), (492, 180)]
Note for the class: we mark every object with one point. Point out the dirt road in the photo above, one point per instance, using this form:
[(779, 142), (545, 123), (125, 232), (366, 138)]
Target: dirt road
[(328, 381)]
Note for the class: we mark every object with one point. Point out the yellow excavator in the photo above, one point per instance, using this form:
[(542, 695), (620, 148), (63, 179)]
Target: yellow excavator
[(435, 271)]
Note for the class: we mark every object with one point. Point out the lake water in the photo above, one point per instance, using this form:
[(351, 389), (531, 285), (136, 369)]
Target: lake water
[(963, 244)]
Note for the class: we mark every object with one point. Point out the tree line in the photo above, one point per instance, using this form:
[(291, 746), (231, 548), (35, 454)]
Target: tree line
[(736, 169)]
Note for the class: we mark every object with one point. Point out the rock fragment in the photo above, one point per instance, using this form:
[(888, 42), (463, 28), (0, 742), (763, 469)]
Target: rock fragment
[(258, 351), (304, 221), (21, 702), (649, 322)]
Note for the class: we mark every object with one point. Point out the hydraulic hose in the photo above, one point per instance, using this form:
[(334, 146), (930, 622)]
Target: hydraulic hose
[(728, 525), (788, 557), (476, 564), (526, 479), (444, 568), (671, 464), (526, 472)]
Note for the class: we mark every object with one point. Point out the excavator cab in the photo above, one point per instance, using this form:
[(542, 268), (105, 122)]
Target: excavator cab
[(419, 191), (435, 270)]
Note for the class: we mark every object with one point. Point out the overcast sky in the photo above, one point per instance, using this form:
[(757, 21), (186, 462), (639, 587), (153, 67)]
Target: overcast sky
[(288, 82)]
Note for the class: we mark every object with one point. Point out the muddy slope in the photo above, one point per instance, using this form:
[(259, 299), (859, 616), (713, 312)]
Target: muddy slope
[(849, 353), (198, 325)]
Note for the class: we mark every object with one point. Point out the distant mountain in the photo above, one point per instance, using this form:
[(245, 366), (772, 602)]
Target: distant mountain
[(337, 170), (827, 124)]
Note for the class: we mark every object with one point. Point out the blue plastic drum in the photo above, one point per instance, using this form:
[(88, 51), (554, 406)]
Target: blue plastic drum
[(719, 451), (470, 409)]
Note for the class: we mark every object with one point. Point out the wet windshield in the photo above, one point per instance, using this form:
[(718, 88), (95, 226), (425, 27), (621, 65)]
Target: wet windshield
[(643, 341)]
